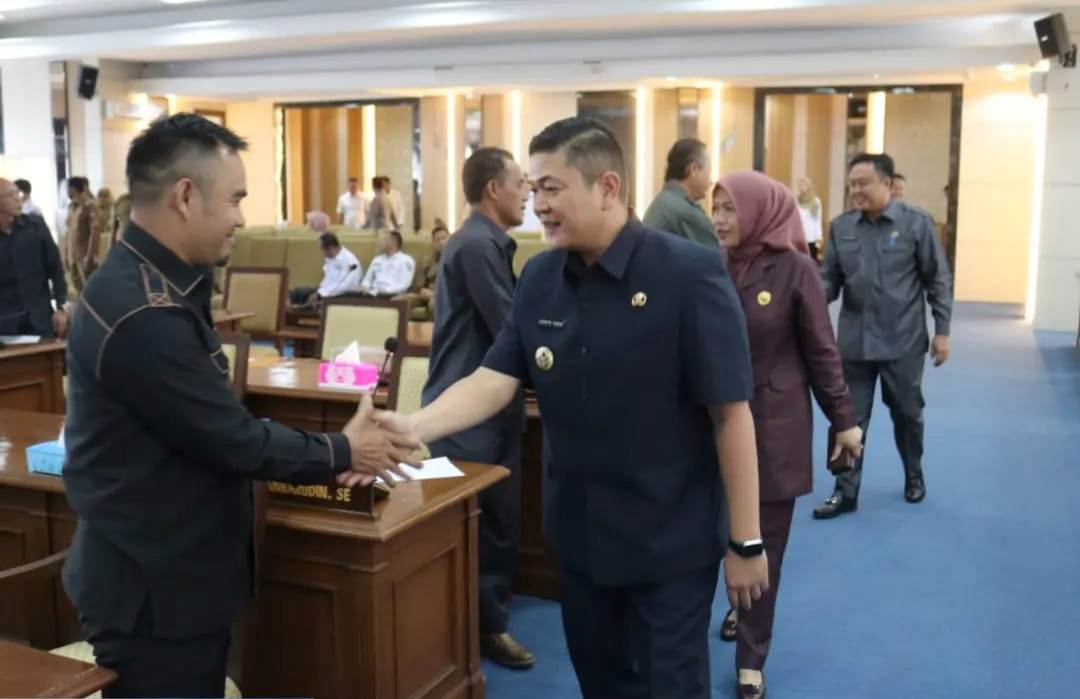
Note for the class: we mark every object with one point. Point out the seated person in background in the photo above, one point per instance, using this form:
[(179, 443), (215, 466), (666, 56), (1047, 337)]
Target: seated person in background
[(318, 221), (390, 273), (341, 274), (440, 236)]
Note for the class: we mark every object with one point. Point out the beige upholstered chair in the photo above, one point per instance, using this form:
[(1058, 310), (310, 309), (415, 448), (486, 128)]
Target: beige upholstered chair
[(262, 291), (235, 347), (368, 322), (410, 372)]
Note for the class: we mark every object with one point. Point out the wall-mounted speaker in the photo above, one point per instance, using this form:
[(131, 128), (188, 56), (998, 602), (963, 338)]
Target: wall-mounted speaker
[(1053, 37), (88, 76)]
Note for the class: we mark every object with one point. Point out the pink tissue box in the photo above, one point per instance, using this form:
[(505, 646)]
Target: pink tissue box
[(356, 377)]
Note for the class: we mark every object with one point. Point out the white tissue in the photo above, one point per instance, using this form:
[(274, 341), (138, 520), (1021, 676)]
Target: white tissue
[(60, 439), (350, 355)]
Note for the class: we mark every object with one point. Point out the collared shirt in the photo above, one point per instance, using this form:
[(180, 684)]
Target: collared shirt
[(473, 297), (674, 211), (30, 207), (625, 364), (338, 278), (888, 270), (353, 209), (389, 274)]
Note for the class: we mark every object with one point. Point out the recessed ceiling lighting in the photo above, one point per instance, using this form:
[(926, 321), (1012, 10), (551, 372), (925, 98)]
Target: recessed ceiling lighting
[(181, 2), (671, 78)]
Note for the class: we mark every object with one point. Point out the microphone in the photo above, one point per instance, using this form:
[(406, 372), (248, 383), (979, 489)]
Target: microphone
[(350, 270), (391, 346)]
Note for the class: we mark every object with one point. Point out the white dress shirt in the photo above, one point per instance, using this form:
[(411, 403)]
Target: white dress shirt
[(29, 206), (337, 277), (811, 223), (353, 209), (389, 274)]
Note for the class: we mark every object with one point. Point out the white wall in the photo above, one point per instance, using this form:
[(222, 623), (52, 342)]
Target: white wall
[(28, 140), (1057, 300)]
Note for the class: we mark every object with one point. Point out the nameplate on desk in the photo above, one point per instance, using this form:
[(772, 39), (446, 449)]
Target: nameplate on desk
[(331, 496)]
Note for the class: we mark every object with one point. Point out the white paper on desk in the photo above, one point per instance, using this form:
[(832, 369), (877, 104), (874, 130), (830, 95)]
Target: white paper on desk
[(19, 339), (433, 468), (350, 355)]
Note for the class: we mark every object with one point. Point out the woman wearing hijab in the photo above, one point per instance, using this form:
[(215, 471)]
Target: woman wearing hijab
[(792, 349)]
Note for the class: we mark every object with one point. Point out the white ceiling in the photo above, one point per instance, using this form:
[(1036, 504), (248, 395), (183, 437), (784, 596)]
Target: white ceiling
[(322, 48)]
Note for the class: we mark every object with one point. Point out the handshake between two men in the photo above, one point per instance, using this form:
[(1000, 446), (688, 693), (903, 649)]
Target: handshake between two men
[(379, 443)]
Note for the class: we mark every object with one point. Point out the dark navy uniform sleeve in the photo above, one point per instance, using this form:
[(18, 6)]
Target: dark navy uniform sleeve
[(713, 338), (155, 363)]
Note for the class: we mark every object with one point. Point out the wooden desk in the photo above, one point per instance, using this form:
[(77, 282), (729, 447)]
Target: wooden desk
[(32, 377), (287, 391), (230, 321), (35, 521), (29, 672), (358, 608), (348, 607), (305, 337)]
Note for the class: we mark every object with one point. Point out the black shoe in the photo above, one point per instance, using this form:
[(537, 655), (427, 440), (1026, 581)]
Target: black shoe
[(504, 650), (729, 627), (915, 489), (750, 691), (835, 505)]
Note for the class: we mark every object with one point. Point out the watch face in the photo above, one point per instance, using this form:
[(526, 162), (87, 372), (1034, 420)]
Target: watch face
[(749, 550)]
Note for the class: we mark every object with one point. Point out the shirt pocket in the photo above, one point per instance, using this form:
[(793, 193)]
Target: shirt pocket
[(849, 252), (897, 256)]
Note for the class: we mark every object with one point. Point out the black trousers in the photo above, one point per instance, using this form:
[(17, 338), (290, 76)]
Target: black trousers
[(500, 517), (901, 391), (151, 667), (647, 641)]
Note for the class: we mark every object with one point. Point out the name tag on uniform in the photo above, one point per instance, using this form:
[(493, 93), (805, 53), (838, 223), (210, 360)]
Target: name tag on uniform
[(546, 323)]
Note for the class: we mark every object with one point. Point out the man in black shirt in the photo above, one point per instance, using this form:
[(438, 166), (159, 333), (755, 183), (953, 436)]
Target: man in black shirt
[(29, 261), (160, 452)]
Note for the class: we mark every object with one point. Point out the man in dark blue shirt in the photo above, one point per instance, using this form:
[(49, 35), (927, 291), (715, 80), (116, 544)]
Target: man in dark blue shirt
[(475, 290), (160, 452), (643, 385)]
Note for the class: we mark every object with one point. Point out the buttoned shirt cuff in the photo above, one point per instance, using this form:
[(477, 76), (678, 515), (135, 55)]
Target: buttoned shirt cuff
[(340, 454), (941, 327)]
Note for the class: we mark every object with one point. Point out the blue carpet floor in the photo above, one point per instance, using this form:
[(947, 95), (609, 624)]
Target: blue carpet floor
[(973, 593)]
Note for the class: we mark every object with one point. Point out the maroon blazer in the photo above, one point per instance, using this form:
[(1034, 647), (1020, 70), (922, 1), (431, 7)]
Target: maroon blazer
[(792, 347)]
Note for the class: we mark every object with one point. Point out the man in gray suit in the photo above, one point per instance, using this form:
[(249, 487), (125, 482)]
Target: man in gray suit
[(474, 293), (886, 258)]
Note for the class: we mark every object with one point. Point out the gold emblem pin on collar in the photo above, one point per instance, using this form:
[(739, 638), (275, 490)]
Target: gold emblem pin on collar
[(764, 298), (545, 359), (639, 300)]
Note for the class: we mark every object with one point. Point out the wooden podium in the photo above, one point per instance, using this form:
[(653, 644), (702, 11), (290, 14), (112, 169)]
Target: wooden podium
[(355, 608)]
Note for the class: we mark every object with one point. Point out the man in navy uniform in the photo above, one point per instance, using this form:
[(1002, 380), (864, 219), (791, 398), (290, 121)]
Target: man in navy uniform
[(643, 383), (160, 452), (886, 258), (473, 299)]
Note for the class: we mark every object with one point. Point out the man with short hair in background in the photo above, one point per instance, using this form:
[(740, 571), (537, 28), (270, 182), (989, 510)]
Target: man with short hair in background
[(352, 206), (475, 291), (391, 272), (29, 206), (675, 208)]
